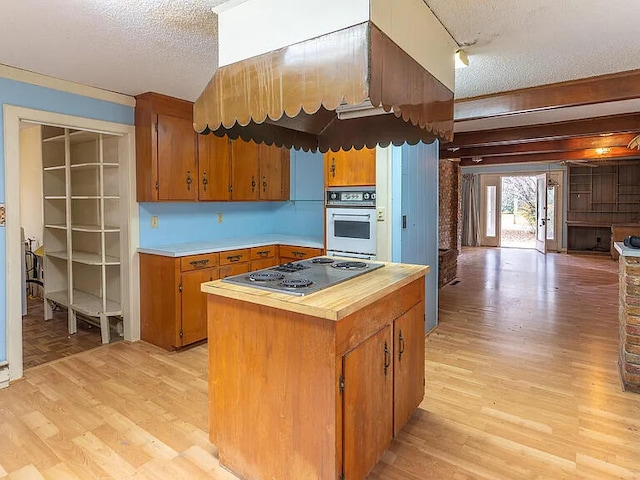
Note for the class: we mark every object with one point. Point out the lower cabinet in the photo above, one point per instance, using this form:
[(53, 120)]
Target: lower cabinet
[(172, 307), (384, 384)]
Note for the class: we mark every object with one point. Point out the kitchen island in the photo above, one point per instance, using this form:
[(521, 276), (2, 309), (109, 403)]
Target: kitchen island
[(314, 387)]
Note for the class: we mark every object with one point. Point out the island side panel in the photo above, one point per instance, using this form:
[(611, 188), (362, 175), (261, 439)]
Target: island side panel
[(272, 391)]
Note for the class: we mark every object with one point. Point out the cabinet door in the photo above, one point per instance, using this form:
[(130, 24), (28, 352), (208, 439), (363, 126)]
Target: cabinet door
[(367, 403), (244, 170), (274, 172), (408, 374), (351, 168), (194, 305), (177, 163), (214, 168)]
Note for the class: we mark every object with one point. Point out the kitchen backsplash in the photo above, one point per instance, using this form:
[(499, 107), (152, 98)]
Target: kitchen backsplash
[(199, 221)]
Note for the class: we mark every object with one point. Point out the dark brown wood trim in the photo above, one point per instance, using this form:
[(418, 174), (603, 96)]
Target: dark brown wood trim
[(547, 146), (587, 154), (586, 91), (551, 131)]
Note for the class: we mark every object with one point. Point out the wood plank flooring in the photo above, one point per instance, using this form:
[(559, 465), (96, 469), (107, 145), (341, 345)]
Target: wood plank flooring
[(521, 384), (45, 341)]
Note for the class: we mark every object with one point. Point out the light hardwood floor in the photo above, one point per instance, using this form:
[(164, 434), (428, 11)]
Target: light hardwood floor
[(521, 384)]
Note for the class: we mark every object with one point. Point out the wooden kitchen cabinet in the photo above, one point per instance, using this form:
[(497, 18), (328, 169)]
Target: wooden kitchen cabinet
[(259, 172), (264, 257), (350, 168), (368, 403), (291, 253), (166, 158), (172, 307), (173, 163), (408, 365), (214, 168)]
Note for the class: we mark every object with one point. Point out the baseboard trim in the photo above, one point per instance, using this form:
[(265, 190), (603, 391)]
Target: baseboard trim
[(4, 374)]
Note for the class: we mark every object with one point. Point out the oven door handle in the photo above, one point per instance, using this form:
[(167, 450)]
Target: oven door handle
[(368, 215)]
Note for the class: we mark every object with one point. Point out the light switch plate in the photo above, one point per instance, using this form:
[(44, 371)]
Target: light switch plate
[(220, 217), (154, 221), (381, 214)]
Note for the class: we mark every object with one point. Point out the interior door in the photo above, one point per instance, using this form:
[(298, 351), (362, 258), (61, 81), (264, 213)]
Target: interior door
[(541, 213), (490, 203)]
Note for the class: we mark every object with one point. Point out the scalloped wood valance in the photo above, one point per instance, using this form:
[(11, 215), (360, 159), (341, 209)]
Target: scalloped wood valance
[(290, 97)]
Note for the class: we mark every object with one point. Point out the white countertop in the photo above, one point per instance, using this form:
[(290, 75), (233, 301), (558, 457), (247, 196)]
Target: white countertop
[(626, 251), (197, 248)]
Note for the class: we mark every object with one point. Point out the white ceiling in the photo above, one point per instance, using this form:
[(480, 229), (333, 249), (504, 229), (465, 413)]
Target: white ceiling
[(169, 46)]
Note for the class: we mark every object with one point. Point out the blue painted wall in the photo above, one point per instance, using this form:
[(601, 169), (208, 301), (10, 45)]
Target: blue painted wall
[(419, 202), (190, 222), (39, 98)]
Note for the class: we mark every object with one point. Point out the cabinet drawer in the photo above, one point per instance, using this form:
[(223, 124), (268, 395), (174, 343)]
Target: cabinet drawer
[(236, 269), (258, 253), (196, 262), (263, 263), (299, 253), (235, 256)]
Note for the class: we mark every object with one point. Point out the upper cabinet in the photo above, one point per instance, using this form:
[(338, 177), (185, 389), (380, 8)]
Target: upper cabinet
[(259, 172), (176, 164), (166, 159), (214, 168), (350, 168)]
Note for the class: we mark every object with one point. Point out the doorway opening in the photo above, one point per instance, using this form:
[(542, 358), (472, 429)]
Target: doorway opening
[(518, 211), (521, 210)]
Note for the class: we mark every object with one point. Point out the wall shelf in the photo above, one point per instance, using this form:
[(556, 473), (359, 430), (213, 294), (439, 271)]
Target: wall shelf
[(82, 234)]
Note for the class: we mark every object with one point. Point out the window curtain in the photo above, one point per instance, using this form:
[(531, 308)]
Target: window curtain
[(470, 210)]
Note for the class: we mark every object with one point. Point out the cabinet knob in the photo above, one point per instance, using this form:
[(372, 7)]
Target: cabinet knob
[(205, 182), (264, 184), (189, 180), (333, 167), (253, 183)]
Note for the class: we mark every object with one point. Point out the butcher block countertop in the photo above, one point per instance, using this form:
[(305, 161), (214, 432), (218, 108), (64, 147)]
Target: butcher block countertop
[(333, 303)]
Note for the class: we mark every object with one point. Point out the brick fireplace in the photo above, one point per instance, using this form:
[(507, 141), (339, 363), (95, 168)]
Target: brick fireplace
[(629, 360), (449, 220)]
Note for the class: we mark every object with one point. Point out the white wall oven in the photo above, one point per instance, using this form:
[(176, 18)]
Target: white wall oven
[(351, 222)]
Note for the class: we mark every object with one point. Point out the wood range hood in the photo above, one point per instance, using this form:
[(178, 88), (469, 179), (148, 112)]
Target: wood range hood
[(349, 88)]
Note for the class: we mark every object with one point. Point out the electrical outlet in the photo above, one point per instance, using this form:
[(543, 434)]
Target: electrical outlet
[(219, 217), (154, 221), (381, 214)]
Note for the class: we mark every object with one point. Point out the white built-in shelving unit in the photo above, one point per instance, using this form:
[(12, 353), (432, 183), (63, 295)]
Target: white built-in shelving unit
[(81, 224)]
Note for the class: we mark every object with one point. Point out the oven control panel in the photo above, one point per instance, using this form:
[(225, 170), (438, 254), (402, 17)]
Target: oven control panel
[(351, 196)]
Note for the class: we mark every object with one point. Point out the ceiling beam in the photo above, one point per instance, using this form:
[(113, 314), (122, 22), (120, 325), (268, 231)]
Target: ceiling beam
[(551, 131), (586, 91), (546, 146), (586, 154)]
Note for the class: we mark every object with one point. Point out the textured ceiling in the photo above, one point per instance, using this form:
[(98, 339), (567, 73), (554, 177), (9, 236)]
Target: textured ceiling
[(522, 43), (169, 46)]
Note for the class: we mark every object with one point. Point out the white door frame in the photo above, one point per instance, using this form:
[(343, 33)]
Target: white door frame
[(490, 180), (130, 227), (541, 212)]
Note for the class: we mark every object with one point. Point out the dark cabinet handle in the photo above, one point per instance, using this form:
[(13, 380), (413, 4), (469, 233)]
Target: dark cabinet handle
[(263, 253), (205, 182), (234, 258), (199, 263), (333, 167), (264, 184), (400, 345), (298, 254), (253, 183), (189, 180), (387, 358)]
